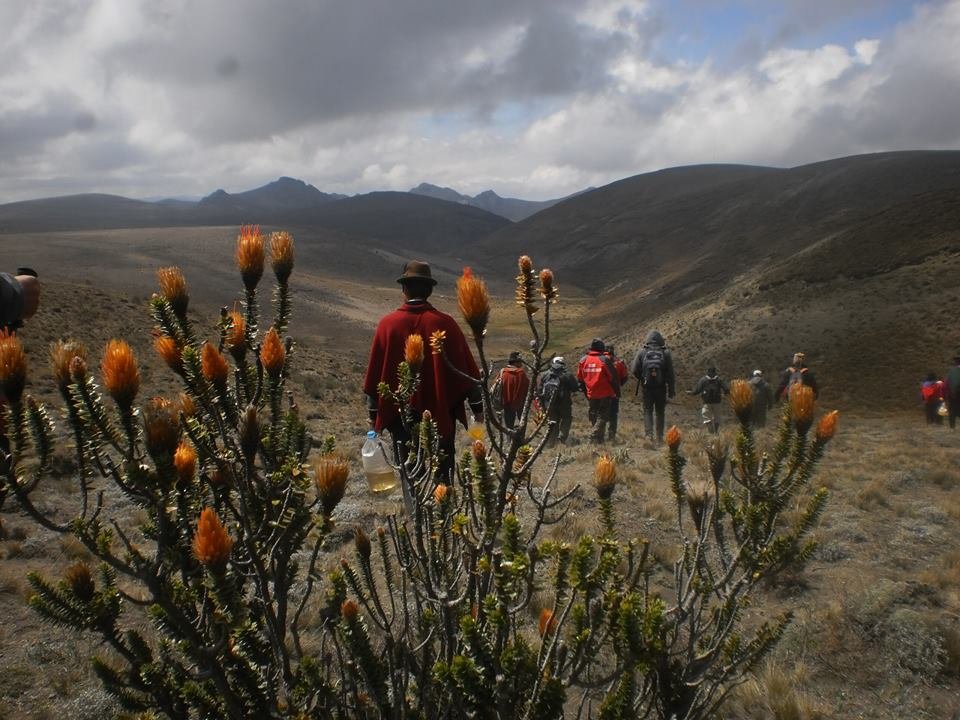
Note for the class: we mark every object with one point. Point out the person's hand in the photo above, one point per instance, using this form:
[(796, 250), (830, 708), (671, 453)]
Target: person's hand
[(30, 287)]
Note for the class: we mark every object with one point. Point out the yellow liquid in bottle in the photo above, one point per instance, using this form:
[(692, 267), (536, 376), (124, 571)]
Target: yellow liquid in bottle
[(382, 480)]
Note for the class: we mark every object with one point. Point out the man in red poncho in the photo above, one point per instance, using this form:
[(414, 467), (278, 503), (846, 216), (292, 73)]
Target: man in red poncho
[(442, 390)]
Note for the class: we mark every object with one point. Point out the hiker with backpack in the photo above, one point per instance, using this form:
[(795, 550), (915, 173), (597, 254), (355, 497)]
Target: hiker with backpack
[(511, 388), (952, 392), (711, 389), (620, 368), (762, 399), (932, 394), (555, 391), (653, 368), (798, 372), (598, 380)]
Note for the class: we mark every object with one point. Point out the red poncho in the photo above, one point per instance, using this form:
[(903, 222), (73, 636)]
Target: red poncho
[(442, 391)]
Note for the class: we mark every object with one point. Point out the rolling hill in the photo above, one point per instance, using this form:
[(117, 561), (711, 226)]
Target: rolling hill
[(743, 265), (850, 260)]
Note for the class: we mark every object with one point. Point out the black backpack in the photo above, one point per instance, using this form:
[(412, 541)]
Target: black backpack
[(712, 390), (553, 389), (653, 372)]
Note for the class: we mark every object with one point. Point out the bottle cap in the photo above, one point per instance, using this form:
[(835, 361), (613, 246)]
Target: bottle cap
[(371, 434)]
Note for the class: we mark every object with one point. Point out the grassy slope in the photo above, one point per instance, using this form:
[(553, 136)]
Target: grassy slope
[(874, 608)]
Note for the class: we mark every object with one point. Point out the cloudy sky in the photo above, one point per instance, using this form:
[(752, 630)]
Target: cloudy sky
[(531, 98)]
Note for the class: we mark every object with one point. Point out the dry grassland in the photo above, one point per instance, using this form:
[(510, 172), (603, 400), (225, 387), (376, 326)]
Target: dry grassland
[(877, 628)]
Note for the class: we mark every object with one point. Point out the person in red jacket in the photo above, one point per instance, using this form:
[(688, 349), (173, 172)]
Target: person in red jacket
[(514, 385), (933, 395), (442, 389), (598, 380)]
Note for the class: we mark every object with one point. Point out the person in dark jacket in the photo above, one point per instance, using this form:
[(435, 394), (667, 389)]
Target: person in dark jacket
[(762, 399), (653, 368), (555, 391), (952, 392), (711, 388), (797, 372)]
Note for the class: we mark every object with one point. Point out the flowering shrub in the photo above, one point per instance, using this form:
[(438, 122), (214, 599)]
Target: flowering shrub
[(456, 608)]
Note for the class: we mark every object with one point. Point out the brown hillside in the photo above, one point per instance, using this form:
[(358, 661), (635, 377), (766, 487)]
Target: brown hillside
[(847, 260)]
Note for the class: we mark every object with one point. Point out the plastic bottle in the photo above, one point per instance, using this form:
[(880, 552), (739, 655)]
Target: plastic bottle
[(380, 473)]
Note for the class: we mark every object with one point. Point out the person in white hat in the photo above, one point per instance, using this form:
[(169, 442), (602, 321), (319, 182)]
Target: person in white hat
[(762, 399)]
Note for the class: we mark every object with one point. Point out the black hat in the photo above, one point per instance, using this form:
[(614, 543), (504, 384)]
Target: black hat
[(597, 344), (417, 270), (712, 370), (514, 357)]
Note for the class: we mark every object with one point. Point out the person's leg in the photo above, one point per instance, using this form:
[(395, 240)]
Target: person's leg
[(600, 410), (648, 404), (566, 418), (660, 405), (614, 415), (509, 417)]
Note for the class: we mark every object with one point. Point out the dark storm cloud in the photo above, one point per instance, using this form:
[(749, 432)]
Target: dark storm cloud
[(262, 68), (26, 131)]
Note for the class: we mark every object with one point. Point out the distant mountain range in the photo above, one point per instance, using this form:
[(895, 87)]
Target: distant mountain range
[(285, 200), (510, 208), (852, 260)]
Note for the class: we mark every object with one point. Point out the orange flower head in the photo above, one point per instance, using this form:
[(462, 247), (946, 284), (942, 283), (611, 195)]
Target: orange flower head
[(173, 287), (437, 338), (413, 351), (235, 339), (272, 354), (80, 581), (479, 450), (699, 495), (78, 369), (605, 476), (801, 406), (13, 366), (120, 374), (185, 463), (525, 285), (474, 301), (281, 255), (187, 406), (441, 493), (169, 350), (250, 433), (547, 287), (214, 366), (211, 543), (674, 437), (330, 474), (349, 610), (547, 623), (161, 424), (250, 255), (362, 542), (741, 400), (62, 353), (827, 426)]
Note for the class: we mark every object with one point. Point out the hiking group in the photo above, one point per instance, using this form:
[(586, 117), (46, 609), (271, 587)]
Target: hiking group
[(445, 384)]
